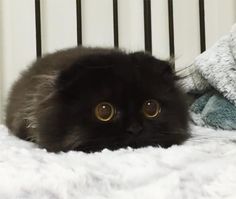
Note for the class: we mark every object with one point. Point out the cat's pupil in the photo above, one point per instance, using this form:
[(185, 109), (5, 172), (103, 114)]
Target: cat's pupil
[(104, 111), (151, 108)]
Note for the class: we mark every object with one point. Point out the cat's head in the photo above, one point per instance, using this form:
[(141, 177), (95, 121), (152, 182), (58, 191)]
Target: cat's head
[(113, 100)]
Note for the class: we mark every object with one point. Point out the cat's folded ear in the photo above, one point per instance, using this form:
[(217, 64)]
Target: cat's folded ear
[(160, 67), (67, 77), (167, 67)]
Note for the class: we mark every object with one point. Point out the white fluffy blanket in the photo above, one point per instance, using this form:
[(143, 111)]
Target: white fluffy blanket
[(216, 67), (204, 167)]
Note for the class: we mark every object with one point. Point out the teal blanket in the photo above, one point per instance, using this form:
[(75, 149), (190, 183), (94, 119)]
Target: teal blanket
[(212, 109)]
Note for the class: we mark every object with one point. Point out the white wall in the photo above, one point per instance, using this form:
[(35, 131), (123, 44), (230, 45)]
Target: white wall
[(17, 29), (17, 46), (58, 24), (1, 58), (220, 15)]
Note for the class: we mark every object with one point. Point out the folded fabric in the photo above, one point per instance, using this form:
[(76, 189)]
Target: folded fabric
[(214, 70), (215, 111)]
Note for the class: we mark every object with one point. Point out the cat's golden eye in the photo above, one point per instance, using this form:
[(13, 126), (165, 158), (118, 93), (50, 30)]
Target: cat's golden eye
[(104, 111), (151, 108)]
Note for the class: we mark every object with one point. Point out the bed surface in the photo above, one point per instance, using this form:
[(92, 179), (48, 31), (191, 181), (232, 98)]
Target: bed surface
[(204, 167)]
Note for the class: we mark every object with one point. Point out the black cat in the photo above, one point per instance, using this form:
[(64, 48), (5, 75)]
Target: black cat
[(89, 99)]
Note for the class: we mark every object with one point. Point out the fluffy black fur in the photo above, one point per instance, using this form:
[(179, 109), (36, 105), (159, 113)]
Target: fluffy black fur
[(66, 121)]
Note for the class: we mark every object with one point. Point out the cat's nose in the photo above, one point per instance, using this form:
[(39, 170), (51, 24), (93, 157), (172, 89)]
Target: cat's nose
[(134, 128)]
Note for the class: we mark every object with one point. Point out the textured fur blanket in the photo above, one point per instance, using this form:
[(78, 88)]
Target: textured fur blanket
[(204, 167), (214, 74), (216, 68)]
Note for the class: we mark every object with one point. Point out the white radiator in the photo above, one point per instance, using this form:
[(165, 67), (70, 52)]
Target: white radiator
[(59, 29)]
